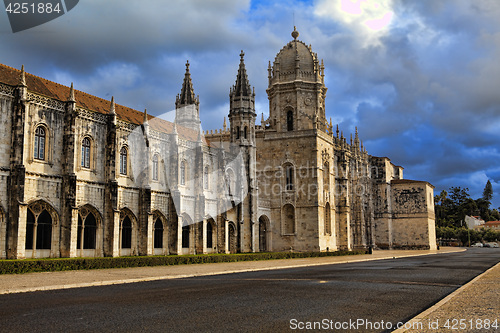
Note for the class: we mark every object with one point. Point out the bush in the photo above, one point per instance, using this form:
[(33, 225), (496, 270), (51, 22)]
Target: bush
[(65, 264)]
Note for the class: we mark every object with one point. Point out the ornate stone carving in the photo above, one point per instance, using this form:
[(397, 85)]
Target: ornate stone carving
[(46, 102), (6, 90)]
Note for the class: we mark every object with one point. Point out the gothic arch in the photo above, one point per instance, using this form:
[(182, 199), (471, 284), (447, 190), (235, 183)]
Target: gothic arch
[(187, 236), (89, 232), (47, 142), (211, 234), (264, 233), (42, 230), (328, 219), (326, 177), (160, 230), (124, 160), (128, 232), (232, 239), (288, 176), (86, 162), (230, 177)]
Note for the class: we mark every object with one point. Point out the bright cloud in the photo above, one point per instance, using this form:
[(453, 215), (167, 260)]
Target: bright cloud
[(369, 19)]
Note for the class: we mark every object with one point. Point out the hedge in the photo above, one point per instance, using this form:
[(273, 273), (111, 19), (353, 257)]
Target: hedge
[(20, 266)]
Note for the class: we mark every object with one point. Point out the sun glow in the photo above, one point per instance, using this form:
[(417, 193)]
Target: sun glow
[(369, 18)]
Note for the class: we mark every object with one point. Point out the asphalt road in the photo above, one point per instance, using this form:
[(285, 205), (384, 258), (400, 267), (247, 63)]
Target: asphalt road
[(338, 296)]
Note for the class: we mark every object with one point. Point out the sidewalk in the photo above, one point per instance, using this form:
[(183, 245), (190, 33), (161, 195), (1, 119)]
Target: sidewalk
[(17, 283), (473, 307)]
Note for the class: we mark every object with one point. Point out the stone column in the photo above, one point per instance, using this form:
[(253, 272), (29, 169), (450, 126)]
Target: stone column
[(20, 241), (73, 239)]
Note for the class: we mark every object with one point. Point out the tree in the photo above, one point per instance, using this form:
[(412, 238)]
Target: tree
[(488, 191)]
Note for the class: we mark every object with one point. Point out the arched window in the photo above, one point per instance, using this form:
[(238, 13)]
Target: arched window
[(185, 236), (328, 220), (230, 182), (288, 219), (210, 233), (44, 231), (155, 167), (326, 176), (237, 132), (126, 233), (39, 219), (158, 236), (30, 227), (289, 177), (40, 137), (245, 132), (182, 173), (86, 153), (123, 160), (89, 232), (289, 120), (205, 178)]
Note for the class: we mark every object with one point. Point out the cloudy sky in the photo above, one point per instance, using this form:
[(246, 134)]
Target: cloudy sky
[(419, 78)]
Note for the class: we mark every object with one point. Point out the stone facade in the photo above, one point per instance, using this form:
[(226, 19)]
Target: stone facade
[(81, 176)]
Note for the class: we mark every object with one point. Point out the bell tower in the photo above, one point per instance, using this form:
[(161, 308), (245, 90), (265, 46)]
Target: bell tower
[(296, 89), (242, 128), (242, 108)]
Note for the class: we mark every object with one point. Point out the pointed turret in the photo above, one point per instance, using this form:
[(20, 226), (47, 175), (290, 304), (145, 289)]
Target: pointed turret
[(242, 86), (224, 125), (187, 96), (187, 112), (356, 138), (145, 121)]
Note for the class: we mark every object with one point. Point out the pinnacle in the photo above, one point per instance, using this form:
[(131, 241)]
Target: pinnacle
[(22, 78), (187, 96), (112, 107), (71, 94), (242, 86)]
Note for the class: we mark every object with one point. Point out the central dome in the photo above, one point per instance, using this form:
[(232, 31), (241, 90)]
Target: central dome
[(296, 61)]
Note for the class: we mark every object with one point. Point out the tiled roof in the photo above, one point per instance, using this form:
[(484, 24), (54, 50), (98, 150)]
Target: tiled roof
[(41, 86), (410, 181), (492, 222)]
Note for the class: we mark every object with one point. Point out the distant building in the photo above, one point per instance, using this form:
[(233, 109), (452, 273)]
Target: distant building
[(69, 188), (473, 221), (493, 225)]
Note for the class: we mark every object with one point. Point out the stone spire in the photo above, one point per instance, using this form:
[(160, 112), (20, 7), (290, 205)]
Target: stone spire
[(242, 86), (356, 138), (187, 96), (71, 94), (224, 125), (145, 116), (112, 107), (22, 77)]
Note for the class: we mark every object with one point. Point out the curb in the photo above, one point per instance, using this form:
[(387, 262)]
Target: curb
[(182, 276), (421, 316)]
